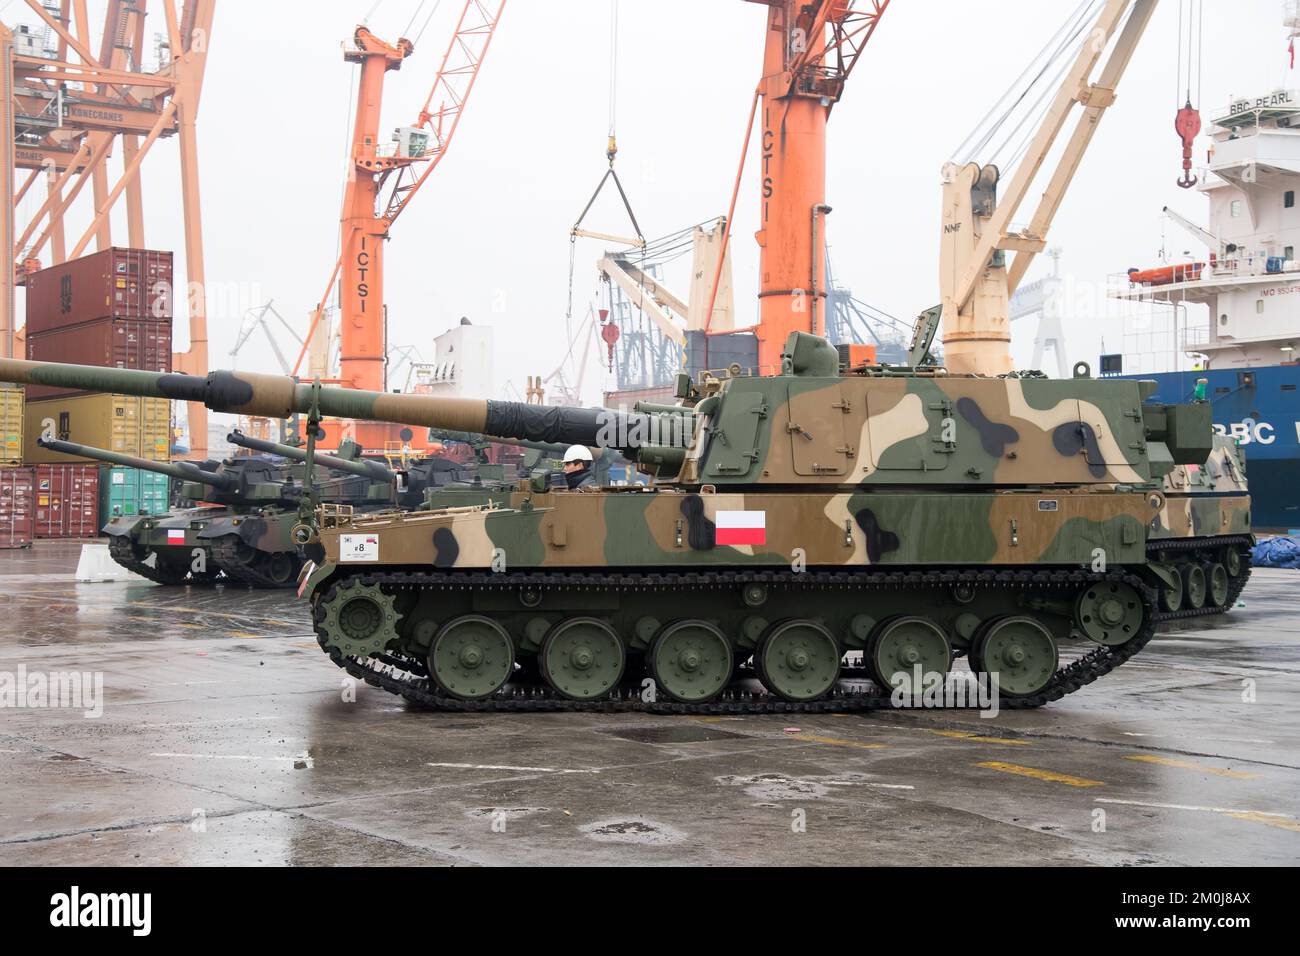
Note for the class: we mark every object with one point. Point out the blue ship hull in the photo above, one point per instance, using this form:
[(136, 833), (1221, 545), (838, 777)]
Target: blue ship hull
[(1264, 415)]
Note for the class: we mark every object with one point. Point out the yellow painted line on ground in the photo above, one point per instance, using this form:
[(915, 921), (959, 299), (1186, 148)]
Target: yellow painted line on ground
[(1051, 776), (835, 742), (1271, 821), (243, 634), (194, 627), (1186, 765), (312, 645), (977, 739)]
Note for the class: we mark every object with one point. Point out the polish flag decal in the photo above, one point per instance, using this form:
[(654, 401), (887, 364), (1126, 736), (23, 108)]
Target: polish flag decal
[(175, 535), (741, 528)]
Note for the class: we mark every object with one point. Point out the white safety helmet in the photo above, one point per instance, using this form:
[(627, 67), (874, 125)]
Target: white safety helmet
[(577, 453)]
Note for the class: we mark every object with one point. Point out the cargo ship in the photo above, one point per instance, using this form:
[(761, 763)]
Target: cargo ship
[(1249, 283)]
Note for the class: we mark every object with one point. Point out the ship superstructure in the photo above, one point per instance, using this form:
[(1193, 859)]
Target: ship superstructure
[(1249, 283)]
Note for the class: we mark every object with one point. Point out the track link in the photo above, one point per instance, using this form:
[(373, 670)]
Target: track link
[(407, 677), (1243, 542), (226, 555), (121, 550)]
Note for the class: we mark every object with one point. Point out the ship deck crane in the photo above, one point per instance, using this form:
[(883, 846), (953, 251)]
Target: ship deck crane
[(382, 182), (975, 278), (1213, 242), (812, 48)]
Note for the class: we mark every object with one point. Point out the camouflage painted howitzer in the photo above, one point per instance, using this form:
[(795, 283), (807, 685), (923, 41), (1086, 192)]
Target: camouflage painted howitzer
[(425, 483), (906, 515), (166, 547), (1205, 501), (240, 530)]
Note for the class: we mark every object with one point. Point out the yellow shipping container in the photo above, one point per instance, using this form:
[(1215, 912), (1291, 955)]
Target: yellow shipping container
[(11, 425), (120, 423)]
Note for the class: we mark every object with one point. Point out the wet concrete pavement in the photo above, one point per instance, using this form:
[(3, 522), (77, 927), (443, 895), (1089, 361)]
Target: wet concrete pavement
[(227, 737)]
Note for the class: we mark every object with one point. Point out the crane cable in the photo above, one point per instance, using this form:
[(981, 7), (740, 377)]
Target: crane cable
[(611, 153), (414, 17), (1001, 112), (1195, 35), (613, 77)]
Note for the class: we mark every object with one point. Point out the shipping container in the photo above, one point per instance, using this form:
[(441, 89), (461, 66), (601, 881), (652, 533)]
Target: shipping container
[(130, 491), (120, 283), (67, 501), (113, 342), (17, 507), (11, 425), (120, 423)]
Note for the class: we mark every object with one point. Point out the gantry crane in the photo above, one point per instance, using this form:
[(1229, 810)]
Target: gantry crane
[(382, 181), (975, 277), (66, 107)]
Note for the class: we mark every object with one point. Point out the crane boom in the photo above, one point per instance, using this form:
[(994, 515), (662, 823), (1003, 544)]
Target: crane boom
[(1210, 239), (975, 278)]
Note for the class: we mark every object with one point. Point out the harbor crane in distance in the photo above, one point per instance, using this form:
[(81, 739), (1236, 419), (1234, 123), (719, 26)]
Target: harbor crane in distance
[(70, 102), (382, 181), (976, 279)]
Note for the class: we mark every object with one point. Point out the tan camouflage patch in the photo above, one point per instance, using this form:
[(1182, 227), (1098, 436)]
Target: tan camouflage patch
[(889, 422)]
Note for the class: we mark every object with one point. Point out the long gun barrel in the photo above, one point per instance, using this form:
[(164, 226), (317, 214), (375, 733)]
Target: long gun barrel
[(181, 470), (273, 396), (362, 469)]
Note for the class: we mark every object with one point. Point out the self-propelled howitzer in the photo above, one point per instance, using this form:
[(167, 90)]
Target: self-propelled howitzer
[(423, 481), (798, 520), (357, 466), (238, 531)]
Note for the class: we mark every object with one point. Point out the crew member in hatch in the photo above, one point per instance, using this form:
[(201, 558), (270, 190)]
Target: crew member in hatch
[(577, 468)]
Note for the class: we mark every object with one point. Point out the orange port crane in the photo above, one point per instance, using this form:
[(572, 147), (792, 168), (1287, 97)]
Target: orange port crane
[(382, 182), (812, 47)]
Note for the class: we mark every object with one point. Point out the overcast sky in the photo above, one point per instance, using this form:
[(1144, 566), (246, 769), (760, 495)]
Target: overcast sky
[(488, 237)]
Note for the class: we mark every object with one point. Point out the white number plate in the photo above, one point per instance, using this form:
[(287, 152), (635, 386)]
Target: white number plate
[(354, 548)]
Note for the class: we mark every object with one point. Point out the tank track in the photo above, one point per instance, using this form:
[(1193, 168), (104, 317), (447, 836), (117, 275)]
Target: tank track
[(407, 677), (225, 554), (121, 550), (1243, 541)]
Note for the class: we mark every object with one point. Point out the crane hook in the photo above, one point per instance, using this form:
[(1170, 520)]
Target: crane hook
[(1187, 124)]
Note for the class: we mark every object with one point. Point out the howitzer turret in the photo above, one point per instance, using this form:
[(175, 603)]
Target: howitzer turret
[(901, 513), (352, 466), (243, 483), (408, 489)]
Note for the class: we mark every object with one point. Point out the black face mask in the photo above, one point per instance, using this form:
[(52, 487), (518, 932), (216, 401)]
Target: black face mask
[(575, 478)]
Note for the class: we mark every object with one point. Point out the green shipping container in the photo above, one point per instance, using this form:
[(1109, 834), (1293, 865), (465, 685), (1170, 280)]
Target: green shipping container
[(130, 491)]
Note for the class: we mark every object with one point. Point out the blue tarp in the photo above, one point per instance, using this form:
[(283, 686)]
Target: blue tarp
[(1277, 553)]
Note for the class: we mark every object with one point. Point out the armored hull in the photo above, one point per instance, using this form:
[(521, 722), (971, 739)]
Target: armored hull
[(166, 548)]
